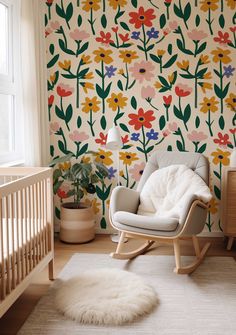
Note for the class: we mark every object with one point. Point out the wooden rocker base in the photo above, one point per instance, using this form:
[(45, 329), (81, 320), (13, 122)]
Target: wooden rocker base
[(132, 254)]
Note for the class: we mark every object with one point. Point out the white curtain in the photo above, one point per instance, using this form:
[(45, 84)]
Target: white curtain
[(34, 84)]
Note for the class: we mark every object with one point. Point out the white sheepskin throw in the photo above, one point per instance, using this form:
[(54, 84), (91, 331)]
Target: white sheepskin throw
[(105, 296), (169, 191)]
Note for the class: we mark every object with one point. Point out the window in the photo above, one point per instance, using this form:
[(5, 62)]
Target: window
[(10, 103)]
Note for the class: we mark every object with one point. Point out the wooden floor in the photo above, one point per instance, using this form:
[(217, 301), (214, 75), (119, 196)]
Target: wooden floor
[(11, 322)]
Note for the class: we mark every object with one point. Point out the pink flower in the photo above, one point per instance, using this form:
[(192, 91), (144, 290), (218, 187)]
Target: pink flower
[(173, 126), (196, 136), (173, 25), (54, 127), (137, 171), (197, 35), (77, 136), (166, 133), (166, 31), (79, 35), (55, 25), (148, 92), (142, 71)]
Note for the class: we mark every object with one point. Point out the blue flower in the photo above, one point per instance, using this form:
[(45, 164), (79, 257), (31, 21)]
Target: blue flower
[(135, 137), (135, 35), (152, 135), (111, 173), (110, 71), (228, 71), (152, 33)]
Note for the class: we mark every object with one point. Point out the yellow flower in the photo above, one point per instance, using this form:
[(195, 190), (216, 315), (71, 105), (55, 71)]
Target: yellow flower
[(204, 59), (117, 101), (85, 160), (86, 60), (205, 86), (160, 52), (103, 55), (206, 5), (221, 157), (157, 85), (91, 105), (53, 77), (221, 55), (213, 206), (121, 71), (89, 75), (207, 75), (87, 86), (209, 105), (95, 206), (117, 3), (104, 157), (231, 102), (65, 166), (128, 157), (184, 65), (127, 56), (65, 65), (231, 4), (108, 202), (171, 78), (121, 173), (91, 4)]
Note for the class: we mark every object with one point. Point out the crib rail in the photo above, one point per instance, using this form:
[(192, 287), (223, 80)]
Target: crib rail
[(26, 229)]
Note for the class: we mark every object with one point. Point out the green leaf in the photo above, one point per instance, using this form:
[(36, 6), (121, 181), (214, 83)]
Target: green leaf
[(60, 12), (69, 113), (51, 150), (151, 46), (82, 73), (104, 21), (133, 102), (118, 116), (187, 113), (177, 11), (107, 91), (141, 150), (103, 223), (120, 85), (68, 76), (83, 149), (124, 127), (178, 113), (140, 48), (221, 122), (202, 148), (103, 122), (62, 147), (181, 48), (57, 185), (134, 3), (163, 81), (169, 148), (149, 149), (170, 61), (201, 73), (107, 192), (124, 26), (79, 20), (187, 76), (217, 73), (225, 91), (222, 21), (217, 192), (179, 145), (170, 49), (83, 48), (64, 48), (52, 61), (162, 21), (221, 94), (162, 122), (216, 174), (58, 213), (51, 49), (79, 122), (59, 113), (197, 20), (201, 48), (99, 73), (99, 91), (155, 58), (187, 12), (100, 193), (69, 12), (197, 122)]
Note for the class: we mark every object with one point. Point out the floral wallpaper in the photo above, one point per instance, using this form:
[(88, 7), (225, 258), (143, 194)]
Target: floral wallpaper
[(162, 71)]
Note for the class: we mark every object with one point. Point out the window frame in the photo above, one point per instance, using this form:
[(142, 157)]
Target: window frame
[(10, 85)]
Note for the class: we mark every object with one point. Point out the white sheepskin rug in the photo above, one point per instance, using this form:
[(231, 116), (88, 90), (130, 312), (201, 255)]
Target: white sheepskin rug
[(105, 296)]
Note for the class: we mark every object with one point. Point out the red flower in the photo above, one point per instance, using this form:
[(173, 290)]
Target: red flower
[(102, 140), (49, 2), (142, 17), (233, 29), (167, 100), (233, 131), (168, 2), (125, 139), (64, 90), (182, 90), (62, 194), (124, 38), (115, 29), (223, 38), (50, 100), (222, 140), (142, 119), (105, 38)]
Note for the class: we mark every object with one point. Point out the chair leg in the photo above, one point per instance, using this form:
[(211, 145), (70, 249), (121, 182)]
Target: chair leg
[(230, 243), (177, 255)]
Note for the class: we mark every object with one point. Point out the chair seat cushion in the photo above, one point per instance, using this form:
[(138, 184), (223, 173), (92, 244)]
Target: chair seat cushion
[(146, 222), (167, 191)]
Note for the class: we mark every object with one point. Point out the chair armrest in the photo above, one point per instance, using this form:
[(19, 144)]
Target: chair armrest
[(124, 199)]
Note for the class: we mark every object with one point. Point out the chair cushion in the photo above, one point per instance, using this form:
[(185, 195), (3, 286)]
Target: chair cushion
[(167, 191), (146, 222)]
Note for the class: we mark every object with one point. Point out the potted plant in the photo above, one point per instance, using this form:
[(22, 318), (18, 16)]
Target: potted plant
[(77, 218)]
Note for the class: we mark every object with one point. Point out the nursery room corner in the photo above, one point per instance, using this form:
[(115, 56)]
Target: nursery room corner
[(117, 167)]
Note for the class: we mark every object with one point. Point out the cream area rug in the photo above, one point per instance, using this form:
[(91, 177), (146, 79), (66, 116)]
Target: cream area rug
[(201, 304)]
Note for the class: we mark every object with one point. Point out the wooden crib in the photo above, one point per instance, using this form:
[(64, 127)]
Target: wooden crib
[(26, 229)]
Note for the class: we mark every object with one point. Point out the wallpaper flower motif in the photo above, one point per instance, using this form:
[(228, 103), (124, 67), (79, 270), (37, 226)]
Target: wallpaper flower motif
[(163, 72)]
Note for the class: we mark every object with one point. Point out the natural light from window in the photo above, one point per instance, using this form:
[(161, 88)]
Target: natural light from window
[(4, 39)]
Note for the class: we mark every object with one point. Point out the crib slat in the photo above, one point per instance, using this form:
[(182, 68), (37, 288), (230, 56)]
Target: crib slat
[(45, 222), (23, 251), (37, 220), (29, 238), (13, 262), (17, 237), (7, 244), (2, 263), (25, 221)]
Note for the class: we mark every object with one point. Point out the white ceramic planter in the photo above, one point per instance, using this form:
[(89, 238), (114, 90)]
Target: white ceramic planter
[(77, 224)]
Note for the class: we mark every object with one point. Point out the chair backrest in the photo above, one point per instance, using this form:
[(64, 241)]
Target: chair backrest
[(159, 159)]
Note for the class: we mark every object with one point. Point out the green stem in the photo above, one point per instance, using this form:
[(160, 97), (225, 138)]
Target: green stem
[(62, 7), (49, 12), (182, 36), (195, 91), (209, 123), (49, 113), (160, 64), (117, 41), (221, 6), (160, 141), (221, 88), (167, 12), (64, 36), (103, 86), (209, 221), (63, 137), (77, 151), (153, 4), (196, 48), (91, 21), (180, 108), (77, 86), (64, 114), (161, 39), (220, 173), (127, 77), (209, 21), (149, 101), (196, 3), (91, 123), (127, 175), (182, 139), (104, 6), (117, 116), (167, 114), (196, 146), (234, 140), (180, 7), (144, 42), (118, 12), (103, 201), (144, 144)]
